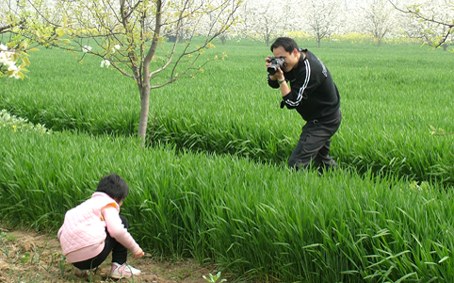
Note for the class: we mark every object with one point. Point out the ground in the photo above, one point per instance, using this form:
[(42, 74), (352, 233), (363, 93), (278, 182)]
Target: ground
[(31, 257)]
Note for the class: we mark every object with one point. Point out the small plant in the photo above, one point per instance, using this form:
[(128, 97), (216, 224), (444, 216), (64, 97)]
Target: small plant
[(61, 264), (2, 237), (439, 132), (36, 258), (420, 187), (17, 124), (3, 240), (25, 258), (10, 237), (214, 278)]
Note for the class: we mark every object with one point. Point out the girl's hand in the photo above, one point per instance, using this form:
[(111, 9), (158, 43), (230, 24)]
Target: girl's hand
[(139, 254)]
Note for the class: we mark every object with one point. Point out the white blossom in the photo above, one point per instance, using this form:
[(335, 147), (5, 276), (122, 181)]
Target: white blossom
[(105, 63), (12, 67), (15, 74), (6, 59), (116, 47), (3, 57), (86, 48)]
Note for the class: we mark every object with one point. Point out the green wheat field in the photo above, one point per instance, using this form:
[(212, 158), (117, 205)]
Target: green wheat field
[(212, 182)]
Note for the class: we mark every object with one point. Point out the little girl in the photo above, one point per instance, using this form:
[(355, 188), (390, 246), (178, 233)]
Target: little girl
[(95, 228)]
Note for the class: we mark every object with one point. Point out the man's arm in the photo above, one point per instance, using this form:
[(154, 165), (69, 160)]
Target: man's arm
[(278, 81), (283, 85)]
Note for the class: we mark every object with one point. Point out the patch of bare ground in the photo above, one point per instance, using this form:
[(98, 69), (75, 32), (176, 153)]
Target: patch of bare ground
[(27, 256)]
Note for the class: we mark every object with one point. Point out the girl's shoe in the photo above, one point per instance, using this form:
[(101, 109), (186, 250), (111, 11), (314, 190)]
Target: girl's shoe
[(118, 271)]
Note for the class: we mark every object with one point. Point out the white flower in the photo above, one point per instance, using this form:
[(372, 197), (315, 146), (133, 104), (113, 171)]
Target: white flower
[(116, 47), (105, 63), (3, 47), (3, 57), (86, 48), (12, 67), (15, 74)]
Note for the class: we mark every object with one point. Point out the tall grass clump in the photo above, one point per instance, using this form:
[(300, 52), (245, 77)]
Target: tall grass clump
[(262, 222)]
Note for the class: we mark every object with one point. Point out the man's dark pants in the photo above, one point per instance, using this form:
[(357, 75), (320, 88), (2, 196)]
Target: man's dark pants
[(314, 144)]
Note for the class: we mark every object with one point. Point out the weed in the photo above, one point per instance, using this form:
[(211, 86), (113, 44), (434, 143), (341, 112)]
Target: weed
[(214, 278)]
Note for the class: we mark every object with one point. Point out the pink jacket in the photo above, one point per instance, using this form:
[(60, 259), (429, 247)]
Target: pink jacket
[(83, 232)]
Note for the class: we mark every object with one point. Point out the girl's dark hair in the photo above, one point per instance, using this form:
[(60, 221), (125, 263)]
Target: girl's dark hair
[(114, 186), (288, 43)]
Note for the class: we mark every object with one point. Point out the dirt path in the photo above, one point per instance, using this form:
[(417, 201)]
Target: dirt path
[(30, 257)]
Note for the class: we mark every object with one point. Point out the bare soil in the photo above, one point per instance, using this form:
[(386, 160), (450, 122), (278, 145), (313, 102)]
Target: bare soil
[(27, 256)]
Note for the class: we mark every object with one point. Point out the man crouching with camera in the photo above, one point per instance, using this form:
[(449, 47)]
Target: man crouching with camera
[(313, 94)]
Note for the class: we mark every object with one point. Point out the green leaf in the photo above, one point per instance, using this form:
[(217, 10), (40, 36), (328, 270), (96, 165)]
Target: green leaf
[(23, 45), (26, 61)]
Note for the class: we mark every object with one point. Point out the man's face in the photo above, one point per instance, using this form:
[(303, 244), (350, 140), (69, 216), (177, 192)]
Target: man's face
[(291, 59)]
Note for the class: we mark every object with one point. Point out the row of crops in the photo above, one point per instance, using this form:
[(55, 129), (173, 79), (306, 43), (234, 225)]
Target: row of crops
[(213, 184)]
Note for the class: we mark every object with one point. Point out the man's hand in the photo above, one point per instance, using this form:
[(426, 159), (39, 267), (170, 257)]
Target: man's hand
[(267, 60), (278, 75)]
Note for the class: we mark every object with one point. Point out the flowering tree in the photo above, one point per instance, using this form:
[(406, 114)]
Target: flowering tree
[(264, 20), (434, 20), (18, 36), (379, 19), (131, 36), (321, 18), (9, 58), (13, 58)]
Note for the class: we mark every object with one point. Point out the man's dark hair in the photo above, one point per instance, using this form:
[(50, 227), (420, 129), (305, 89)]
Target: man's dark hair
[(114, 186), (288, 43)]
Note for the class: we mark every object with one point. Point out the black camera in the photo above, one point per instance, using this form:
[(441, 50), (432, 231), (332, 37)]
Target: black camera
[(276, 63)]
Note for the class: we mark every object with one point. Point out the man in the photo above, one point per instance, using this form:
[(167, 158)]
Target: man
[(314, 95)]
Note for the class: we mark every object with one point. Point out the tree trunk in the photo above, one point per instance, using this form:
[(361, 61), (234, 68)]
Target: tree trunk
[(144, 110), (143, 79)]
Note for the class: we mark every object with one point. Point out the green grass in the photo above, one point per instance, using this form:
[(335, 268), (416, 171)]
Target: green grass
[(257, 221), (389, 97), (214, 185)]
